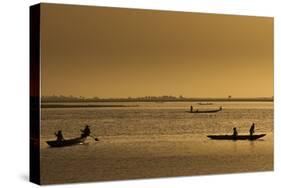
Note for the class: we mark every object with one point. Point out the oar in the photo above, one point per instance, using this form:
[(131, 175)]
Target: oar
[(96, 139)]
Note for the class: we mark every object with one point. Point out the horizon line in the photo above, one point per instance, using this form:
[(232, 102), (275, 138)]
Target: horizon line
[(157, 96)]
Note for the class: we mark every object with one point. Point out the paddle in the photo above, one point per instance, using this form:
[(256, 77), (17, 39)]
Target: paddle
[(96, 139)]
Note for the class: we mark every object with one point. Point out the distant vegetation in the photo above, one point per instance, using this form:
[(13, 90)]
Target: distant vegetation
[(164, 98)]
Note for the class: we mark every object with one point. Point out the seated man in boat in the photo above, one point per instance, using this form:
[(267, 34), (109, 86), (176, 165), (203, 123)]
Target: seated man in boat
[(252, 129), (59, 136), (235, 133), (86, 132)]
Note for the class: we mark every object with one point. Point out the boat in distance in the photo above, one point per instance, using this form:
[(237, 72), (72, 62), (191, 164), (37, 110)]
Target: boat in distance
[(205, 103), (205, 111), (238, 137), (69, 142)]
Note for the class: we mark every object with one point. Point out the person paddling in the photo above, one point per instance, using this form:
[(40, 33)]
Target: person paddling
[(235, 133), (86, 132), (252, 129), (59, 136)]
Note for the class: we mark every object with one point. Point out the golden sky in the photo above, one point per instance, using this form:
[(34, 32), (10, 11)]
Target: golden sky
[(112, 52)]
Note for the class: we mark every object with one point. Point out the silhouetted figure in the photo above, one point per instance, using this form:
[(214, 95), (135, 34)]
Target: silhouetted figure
[(86, 132), (220, 108), (235, 133), (252, 129), (191, 108), (59, 136)]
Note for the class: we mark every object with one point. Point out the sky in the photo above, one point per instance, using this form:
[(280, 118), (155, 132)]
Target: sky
[(112, 52)]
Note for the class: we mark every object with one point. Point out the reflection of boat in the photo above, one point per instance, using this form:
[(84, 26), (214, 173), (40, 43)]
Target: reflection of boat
[(205, 111), (69, 142), (205, 103), (238, 137)]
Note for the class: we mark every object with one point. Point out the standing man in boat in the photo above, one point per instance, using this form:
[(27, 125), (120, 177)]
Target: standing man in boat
[(191, 108), (59, 136), (252, 129), (86, 132), (235, 133)]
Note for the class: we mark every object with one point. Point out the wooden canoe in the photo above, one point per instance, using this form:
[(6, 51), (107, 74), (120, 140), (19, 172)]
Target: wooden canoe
[(238, 137), (69, 142), (205, 111)]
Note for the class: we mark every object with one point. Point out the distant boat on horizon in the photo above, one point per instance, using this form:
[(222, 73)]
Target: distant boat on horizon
[(205, 103), (204, 111)]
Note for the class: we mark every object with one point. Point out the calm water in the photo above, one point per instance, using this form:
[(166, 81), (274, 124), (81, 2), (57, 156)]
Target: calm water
[(155, 140)]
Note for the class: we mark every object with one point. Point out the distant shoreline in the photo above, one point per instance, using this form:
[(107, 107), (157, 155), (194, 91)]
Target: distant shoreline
[(82, 106), (159, 100)]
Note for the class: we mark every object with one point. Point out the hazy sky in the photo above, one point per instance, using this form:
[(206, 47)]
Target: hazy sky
[(109, 52)]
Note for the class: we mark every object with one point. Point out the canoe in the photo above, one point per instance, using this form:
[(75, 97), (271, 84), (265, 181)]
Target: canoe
[(69, 142), (205, 111), (207, 103), (239, 137)]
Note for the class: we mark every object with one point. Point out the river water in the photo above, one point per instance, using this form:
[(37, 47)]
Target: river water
[(155, 139)]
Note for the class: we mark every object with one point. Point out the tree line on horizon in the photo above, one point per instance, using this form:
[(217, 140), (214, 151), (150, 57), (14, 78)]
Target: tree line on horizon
[(62, 98)]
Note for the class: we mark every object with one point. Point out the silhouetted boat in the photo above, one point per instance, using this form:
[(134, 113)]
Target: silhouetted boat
[(205, 103), (238, 137), (69, 142), (205, 111)]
